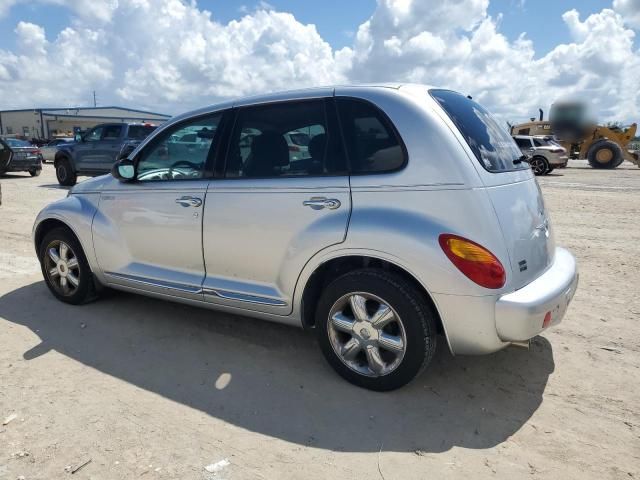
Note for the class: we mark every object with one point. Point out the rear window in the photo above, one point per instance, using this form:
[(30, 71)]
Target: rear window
[(140, 132), (490, 141)]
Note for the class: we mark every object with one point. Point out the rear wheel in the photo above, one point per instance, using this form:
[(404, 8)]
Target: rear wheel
[(65, 268), (64, 173), (34, 172), (605, 154), (539, 165), (375, 329)]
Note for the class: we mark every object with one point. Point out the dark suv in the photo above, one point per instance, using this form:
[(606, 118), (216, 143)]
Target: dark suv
[(95, 151)]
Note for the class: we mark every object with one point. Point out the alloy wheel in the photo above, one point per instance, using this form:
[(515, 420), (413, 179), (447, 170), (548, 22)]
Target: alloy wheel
[(367, 334), (538, 166), (62, 267)]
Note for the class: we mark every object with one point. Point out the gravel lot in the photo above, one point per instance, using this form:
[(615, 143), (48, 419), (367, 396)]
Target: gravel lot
[(144, 388)]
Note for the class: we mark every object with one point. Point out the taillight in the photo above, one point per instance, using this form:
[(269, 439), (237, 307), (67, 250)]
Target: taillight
[(473, 260)]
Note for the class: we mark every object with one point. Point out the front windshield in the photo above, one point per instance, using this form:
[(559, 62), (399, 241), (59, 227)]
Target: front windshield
[(490, 142)]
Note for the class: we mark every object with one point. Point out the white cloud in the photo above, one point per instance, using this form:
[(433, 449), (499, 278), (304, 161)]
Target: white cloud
[(171, 55), (630, 11)]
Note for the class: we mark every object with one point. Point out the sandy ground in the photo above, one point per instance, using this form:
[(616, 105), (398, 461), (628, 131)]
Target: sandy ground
[(147, 389)]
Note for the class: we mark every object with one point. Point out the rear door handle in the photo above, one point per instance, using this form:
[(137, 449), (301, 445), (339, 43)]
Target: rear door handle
[(189, 201), (318, 203)]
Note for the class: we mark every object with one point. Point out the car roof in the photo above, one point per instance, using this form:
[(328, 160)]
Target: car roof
[(287, 95)]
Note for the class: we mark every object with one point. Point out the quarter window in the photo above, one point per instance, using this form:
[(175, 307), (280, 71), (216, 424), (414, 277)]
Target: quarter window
[(523, 142), (284, 139), (371, 142), (179, 152)]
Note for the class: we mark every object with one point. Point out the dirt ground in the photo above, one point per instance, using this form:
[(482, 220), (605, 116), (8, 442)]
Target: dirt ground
[(141, 388)]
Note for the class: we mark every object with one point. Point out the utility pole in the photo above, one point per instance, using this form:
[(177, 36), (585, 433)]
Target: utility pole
[(95, 104)]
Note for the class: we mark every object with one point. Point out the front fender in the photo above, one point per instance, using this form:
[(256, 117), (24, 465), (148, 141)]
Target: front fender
[(76, 212)]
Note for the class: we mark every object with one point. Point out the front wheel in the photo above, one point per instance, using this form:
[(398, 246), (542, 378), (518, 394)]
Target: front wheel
[(375, 329), (65, 267), (65, 174)]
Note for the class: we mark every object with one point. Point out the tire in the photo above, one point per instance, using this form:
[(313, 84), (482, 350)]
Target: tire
[(605, 154), (411, 328), (35, 172), (539, 165), (78, 292), (65, 173)]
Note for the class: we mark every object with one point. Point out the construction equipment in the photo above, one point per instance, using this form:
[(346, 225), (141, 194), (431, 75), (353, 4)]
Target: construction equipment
[(571, 125)]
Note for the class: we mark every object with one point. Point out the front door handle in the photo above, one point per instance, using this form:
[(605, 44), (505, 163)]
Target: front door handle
[(318, 203), (189, 201)]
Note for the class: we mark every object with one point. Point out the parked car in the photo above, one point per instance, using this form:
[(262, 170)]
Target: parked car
[(543, 153), (416, 216), (19, 156), (50, 149), (94, 152)]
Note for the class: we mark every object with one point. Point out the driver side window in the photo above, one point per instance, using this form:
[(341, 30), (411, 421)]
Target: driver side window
[(94, 135), (180, 152)]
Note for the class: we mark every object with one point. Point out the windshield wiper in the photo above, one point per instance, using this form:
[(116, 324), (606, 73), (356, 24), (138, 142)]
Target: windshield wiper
[(520, 159)]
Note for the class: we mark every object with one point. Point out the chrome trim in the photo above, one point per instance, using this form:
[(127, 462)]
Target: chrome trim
[(243, 297), (192, 289), (155, 283)]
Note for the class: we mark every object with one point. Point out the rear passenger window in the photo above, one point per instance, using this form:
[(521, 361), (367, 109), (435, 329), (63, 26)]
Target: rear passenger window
[(371, 142), (112, 132), (288, 139), (523, 142)]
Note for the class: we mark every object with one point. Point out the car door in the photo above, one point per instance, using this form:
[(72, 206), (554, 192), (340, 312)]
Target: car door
[(148, 232), (86, 151), (106, 150), (268, 215)]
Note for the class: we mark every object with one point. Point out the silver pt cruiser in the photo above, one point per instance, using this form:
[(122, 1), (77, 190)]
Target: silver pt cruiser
[(412, 214)]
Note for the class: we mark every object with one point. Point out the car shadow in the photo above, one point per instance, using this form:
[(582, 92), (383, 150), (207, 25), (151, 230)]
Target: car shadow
[(54, 186), (16, 175), (272, 379)]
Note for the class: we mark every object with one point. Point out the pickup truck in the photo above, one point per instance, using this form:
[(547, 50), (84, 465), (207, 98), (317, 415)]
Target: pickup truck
[(95, 151)]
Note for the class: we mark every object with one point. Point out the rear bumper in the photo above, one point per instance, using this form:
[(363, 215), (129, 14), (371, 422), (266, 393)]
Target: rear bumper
[(520, 315), (23, 165), (558, 161)]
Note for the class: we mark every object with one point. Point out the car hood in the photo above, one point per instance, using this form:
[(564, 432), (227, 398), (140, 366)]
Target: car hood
[(66, 146), (95, 184)]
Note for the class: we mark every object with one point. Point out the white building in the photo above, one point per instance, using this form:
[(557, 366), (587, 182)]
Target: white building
[(49, 122)]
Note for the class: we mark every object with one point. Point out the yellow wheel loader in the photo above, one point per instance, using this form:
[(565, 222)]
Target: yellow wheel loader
[(569, 123)]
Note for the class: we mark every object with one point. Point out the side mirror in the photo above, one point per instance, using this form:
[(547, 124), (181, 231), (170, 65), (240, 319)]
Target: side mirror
[(124, 170), (78, 137)]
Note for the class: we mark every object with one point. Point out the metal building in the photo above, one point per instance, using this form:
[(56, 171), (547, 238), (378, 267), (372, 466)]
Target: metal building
[(45, 123)]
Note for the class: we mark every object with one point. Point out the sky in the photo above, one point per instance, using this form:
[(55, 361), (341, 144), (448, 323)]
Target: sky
[(170, 56)]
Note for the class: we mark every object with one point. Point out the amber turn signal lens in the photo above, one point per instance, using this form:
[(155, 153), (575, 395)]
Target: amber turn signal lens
[(474, 261)]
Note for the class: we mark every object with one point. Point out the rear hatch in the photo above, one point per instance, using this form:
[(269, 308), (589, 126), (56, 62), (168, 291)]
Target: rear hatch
[(512, 188)]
